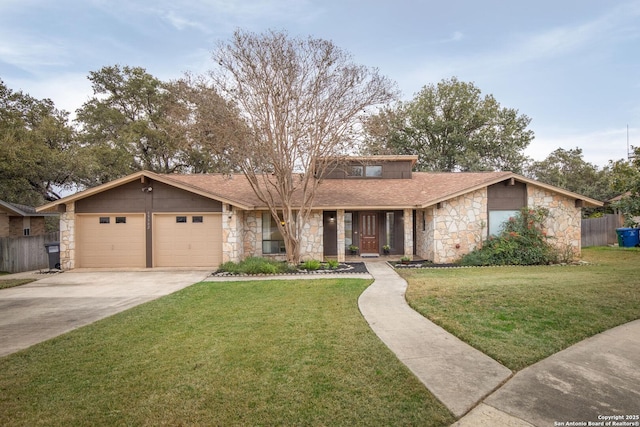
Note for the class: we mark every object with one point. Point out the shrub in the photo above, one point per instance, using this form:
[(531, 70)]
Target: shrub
[(522, 241), (332, 264), (311, 265), (254, 265)]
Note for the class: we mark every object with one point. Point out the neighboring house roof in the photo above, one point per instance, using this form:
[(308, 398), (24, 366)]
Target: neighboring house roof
[(15, 209), (422, 190)]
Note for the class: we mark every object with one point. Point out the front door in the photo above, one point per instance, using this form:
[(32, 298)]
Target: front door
[(369, 233)]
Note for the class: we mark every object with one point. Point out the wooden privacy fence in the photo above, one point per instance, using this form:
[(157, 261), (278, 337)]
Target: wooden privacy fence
[(19, 254), (601, 231)]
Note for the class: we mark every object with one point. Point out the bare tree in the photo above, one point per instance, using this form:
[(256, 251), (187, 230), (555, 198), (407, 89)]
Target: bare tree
[(302, 100)]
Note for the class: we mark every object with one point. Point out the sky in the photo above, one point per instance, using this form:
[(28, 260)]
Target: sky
[(572, 66)]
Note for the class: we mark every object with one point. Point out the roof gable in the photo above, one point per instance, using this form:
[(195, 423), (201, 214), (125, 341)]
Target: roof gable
[(15, 209)]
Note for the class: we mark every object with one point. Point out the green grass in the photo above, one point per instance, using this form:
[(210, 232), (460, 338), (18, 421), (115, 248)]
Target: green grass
[(10, 283), (219, 354), (520, 315)]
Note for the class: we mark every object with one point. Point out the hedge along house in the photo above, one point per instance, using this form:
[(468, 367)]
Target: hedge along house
[(201, 220)]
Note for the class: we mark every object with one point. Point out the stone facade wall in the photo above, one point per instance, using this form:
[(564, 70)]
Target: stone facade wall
[(564, 222), (252, 234), (311, 244), (341, 235), (68, 237), (458, 227), (232, 233), (424, 233), (407, 216)]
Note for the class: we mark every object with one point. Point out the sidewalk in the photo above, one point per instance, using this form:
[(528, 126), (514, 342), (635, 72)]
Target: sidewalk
[(585, 383), (456, 373), (593, 381)]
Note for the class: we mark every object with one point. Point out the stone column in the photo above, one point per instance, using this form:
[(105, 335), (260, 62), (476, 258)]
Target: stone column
[(230, 241), (340, 226), (68, 237), (408, 232)]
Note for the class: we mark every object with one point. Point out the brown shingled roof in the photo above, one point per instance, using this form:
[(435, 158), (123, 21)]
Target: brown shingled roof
[(424, 189)]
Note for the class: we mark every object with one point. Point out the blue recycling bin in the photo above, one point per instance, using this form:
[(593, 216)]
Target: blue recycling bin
[(628, 237)]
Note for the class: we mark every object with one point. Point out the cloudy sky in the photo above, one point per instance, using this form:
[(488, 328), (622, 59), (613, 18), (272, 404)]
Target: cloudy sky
[(572, 66)]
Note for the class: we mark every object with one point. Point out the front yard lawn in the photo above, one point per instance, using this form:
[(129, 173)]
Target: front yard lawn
[(10, 283), (295, 352), (520, 315)]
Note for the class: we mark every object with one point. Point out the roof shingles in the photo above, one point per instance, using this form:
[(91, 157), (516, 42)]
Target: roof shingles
[(424, 189)]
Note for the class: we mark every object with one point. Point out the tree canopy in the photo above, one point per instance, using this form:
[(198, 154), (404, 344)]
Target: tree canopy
[(36, 149), (136, 121), (567, 169), (301, 99), (625, 181), (451, 127)]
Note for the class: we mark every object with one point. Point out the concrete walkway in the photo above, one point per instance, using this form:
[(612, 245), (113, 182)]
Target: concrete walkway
[(594, 381), (456, 373)]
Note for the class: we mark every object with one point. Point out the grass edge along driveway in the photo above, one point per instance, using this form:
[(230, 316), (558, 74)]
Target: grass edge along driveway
[(229, 353), (520, 315)]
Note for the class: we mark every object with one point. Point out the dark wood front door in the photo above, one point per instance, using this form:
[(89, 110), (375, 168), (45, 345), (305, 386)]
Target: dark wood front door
[(369, 233)]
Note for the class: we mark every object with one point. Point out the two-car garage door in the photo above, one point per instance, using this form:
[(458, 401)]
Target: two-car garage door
[(178, 240)]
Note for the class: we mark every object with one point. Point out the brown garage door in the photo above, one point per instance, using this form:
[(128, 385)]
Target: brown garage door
[(187, 240), (110, 240)]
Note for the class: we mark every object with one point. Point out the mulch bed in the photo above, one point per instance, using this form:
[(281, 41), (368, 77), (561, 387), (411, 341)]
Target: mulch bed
[(343, 268)]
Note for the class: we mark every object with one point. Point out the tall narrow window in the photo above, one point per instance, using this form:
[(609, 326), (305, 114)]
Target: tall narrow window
[(272, 240), (348, 229), (389, 234)]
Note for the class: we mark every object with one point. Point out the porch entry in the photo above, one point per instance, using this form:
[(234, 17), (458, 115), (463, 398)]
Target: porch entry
[(369, 233)]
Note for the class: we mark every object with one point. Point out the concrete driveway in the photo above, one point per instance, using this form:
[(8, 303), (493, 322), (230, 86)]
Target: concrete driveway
[(56, 304)]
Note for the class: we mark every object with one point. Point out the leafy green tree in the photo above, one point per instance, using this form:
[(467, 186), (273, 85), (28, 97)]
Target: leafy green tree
[(451, 127), (567, 169), (125, 122), (625, 181), (37, 149), (206, 123), (136, 121)]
